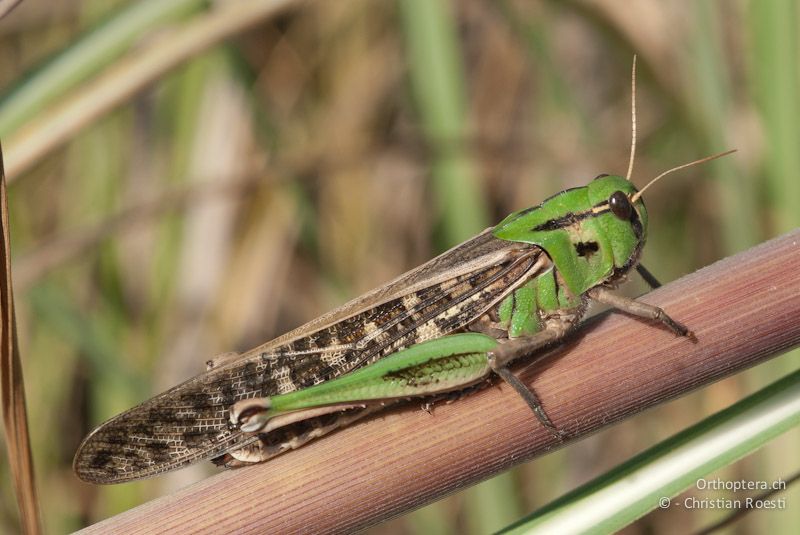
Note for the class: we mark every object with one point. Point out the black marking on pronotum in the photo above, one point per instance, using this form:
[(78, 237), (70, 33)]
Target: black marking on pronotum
[(561, 222), (572, 218), (586, 248)]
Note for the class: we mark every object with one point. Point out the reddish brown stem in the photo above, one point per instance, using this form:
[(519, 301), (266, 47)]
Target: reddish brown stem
[(743, 310)]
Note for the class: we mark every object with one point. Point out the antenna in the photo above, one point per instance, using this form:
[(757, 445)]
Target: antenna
[(638, 194), (633, 119)]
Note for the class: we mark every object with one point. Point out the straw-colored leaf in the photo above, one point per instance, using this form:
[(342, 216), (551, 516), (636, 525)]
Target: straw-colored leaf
[(15, 419)]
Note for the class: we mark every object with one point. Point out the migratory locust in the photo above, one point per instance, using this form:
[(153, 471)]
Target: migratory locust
[(439, 329)]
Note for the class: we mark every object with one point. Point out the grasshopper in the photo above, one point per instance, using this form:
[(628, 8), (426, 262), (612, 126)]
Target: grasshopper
[(441, 328)]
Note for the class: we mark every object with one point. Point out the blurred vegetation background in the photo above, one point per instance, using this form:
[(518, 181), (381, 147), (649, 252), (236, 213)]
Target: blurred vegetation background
[(272, 168)]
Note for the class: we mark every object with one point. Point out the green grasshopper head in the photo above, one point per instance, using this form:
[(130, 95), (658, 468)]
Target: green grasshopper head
[(590, 233), (593, 234)]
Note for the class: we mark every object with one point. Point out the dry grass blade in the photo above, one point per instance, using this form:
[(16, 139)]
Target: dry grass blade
[(15, 417), (130, 75), (7, 5), (31, 266), (743, 310)]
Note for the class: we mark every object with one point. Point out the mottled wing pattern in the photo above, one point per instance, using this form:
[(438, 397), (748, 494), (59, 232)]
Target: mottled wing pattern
[(190, 422)]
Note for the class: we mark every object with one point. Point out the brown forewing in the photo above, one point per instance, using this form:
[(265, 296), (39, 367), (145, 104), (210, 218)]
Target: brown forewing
[(189, 422)]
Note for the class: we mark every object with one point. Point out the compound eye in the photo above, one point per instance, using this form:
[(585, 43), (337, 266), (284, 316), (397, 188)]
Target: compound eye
[(601, 175), (620, 205)]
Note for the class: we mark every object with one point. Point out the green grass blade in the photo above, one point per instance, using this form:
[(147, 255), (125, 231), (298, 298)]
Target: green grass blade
[(437, 79), (711, 102), (634, 488), (776, 79)]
